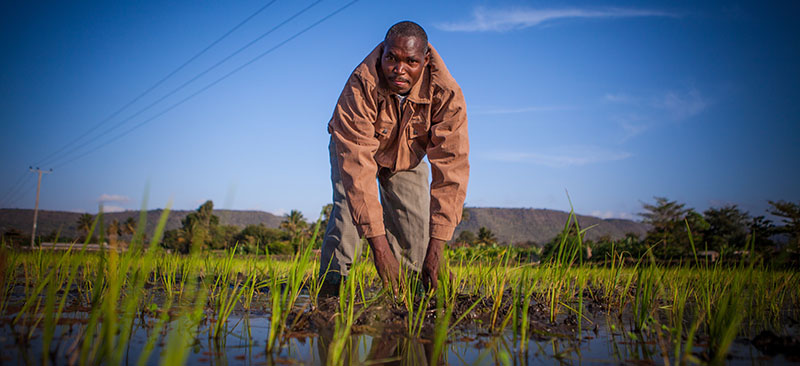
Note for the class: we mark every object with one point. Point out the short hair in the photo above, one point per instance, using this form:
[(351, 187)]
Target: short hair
[(407, 29)]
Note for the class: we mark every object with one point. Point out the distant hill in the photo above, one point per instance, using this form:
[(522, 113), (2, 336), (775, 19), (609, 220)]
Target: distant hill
[(510, 225), (67, 222), (516, 225)]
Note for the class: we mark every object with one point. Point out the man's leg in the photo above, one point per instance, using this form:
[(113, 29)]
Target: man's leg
[(339, 246), (405, 196)]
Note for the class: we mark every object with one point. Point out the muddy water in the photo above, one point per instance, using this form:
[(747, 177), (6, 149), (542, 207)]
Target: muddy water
[(601, 342)]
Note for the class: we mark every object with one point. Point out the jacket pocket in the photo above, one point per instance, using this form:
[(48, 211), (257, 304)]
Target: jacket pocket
[(418, 127), (383, 130), (418, 136)]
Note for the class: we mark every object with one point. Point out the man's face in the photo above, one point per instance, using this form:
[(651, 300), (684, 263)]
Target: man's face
[(402, 63)]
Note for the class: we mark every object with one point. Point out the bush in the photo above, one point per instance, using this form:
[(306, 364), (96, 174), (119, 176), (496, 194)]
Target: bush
[(175, 240), (14, 237), (224, 236), (495, 252), (280, 247), (257, 237)]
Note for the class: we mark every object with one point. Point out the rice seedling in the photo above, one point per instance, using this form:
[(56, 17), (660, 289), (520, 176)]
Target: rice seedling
[(567, 253), (500, 276), (54, 282), (150, 343), (142, 267), (285, 291), (445, 303), (527, 286), (346, 315), (681, 292), (416, 310), (167, 269), (648, 288), (183, 333), (315, 284), (8, 265), (53, 315), (251, 285), (227, 297)]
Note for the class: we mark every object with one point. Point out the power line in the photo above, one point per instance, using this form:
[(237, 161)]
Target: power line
[(18, 193), (248, 63), (154, 86), (22, 194), (179, 88), (14, 187)]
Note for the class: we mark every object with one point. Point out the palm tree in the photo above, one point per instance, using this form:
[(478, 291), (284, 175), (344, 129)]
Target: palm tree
[(327, 210), (485, 237), (294, 225), (85, 223), (113, 231), (129, 226)]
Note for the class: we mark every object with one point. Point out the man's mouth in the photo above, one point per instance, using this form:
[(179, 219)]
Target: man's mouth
[(399, 81)]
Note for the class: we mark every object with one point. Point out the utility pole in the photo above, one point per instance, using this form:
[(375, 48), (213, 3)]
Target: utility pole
[(36, 209)]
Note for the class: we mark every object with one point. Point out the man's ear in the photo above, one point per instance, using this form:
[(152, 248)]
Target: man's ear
[(427, 56)]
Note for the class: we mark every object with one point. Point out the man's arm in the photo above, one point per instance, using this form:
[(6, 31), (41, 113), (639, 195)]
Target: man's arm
[(353, 134), (448, 153)]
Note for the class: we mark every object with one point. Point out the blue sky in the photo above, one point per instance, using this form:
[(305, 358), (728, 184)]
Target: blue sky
[(614, 102)]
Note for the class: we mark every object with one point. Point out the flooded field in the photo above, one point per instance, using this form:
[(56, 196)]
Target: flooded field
[(603, 341), (145, 306)]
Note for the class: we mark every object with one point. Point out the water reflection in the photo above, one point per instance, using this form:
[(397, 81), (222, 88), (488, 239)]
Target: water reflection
[(244, 343)]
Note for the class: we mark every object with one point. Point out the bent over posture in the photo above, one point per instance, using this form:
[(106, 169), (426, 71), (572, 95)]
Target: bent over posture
[(399, 105)]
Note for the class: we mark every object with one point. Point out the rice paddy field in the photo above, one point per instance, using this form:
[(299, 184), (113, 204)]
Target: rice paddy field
[(144, 306)]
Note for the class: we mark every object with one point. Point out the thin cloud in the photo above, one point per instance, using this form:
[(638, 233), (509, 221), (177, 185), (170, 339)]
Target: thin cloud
[(632, 129), (635, 114), (112, 198), (621, 98), (490, 111), (632, 124), (112, 208), (575, 156), (612, 215), (501, 20), (682, 105)]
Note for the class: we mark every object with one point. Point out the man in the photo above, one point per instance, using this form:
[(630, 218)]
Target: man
[(399, 105)]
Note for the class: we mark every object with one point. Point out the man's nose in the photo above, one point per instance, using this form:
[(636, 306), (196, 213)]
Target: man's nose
[(399, 68)]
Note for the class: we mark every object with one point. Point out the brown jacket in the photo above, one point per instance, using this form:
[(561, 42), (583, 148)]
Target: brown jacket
[(369, 133)]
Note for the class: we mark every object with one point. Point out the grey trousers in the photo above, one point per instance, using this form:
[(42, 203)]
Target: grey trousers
[(405, 197)]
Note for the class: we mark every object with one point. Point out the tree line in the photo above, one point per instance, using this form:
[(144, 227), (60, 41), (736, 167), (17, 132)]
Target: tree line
[(674, 230), (201, 229)]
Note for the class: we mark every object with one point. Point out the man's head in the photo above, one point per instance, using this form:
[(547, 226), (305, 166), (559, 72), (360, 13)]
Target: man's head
[(405, 55)]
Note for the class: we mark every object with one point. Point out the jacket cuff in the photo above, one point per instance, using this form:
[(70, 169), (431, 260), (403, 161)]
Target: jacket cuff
[(370, 230), (442, 232)]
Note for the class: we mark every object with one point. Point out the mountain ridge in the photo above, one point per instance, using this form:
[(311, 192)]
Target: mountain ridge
[(510, 225)]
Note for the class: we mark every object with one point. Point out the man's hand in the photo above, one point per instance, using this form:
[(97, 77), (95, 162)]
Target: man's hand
[(430, 268), (385, 262)]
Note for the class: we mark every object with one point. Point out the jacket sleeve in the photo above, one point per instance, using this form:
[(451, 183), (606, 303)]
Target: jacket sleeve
[(353, 133), (448, 152)]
